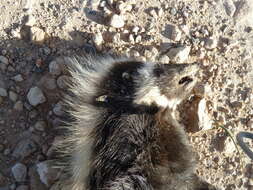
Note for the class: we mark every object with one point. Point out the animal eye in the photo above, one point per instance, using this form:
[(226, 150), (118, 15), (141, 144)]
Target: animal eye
[(126, 76), (158, 72), (185, 80)]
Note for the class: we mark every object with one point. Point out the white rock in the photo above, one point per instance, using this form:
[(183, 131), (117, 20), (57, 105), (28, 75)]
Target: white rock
[(13, 96), (98, 40), (58, 109), (229, 146), (229, 7), (205, 121), (4, 60), (117, 21), (54, 68), (18, 78), (48, 175), (3, 92), (19, 172), (211, 43), (135, 29), (35, 96), (37, 35), (179, 54)]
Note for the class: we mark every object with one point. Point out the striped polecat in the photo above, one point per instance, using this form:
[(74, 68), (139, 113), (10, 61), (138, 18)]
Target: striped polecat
[(124, 134)]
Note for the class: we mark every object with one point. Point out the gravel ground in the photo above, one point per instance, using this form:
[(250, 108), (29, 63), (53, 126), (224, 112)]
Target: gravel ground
[(35, 35)]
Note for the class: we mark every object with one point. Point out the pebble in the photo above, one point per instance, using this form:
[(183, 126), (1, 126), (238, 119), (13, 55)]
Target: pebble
[(204, 120), (173, 11), (164, 59), (13, 96), (58, 109), (229, 7), (54, 68), (211, 43), (18, 105), (62, 81), (48, 82), (4, 60), (117, 21), (3, 92), (131, 38), (153, 13), (179, 54), (123, 7), (35, 96), (135, 29), (229, 147), (24, 148), (22, 187), (18, 78), (98, 40), (40, 125), (174, 33), (138, 39), (48, 175), (19, 171), (37, 35)]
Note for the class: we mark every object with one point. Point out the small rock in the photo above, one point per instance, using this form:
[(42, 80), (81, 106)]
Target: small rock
[(117, 21), (18, 105), (173, 32), (211, 43), (37, 35), (35, 183), (135, 29), (22, 187), (58, 109), (19, 172), (131, 38), (62, 81), (7, 151), (13, 96), (54, 68), (173, 11), (179, 54), (123, 7), (98, 40), (40, 125), (3, 92), (4, 60), (138, 39), (35, 96), (229, 147), (24, 148), (153, 13), (205, 121), (18, 78), (48, 175), (164, 59), (47, 82), (229, 7)]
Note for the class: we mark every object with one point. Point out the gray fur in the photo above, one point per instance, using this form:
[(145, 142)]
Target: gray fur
[(125, 135)]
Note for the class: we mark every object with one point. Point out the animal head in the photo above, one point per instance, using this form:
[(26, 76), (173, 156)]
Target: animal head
[(125, 82)]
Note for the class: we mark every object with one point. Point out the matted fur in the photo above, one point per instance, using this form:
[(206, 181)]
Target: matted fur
[(144, 149)]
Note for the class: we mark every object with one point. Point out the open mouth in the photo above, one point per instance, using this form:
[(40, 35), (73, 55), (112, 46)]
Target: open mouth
[(185, 80)]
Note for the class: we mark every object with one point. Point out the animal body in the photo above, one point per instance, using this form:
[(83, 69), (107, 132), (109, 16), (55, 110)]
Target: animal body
[(124, 134)]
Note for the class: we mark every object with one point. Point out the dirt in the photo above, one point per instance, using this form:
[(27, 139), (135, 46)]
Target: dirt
[(218, 32)]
